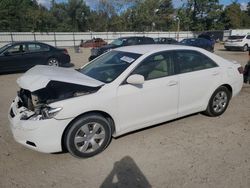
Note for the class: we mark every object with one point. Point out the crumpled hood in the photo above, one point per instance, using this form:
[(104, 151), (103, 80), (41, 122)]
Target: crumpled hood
[(39, 76)]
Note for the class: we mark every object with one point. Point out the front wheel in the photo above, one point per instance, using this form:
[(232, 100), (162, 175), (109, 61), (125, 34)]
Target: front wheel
[(218, 102), (88, 135)]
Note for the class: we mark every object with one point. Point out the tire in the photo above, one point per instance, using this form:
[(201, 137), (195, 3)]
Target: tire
[(88, 135), (218, 102), (245, 48), (53, 62)]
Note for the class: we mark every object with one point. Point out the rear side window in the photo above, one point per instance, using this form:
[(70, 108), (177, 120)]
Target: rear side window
[(147, 40), (37, 47), (132, 41), (189, 61), (234, 37)]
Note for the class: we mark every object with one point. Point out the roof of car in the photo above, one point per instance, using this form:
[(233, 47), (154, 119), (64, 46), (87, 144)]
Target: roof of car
[(143, 49), (26, 42), (134, 37)]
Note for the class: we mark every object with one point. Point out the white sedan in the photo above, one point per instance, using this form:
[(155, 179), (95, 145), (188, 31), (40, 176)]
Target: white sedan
[(123, 90)]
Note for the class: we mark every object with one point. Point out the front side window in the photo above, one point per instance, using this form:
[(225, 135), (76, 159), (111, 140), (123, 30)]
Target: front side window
[(109, 66), (16, 49), (156, 66), (189, 61)]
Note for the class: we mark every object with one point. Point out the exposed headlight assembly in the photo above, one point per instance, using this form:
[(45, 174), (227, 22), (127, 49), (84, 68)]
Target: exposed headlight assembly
[(45, 112), (48, 112)]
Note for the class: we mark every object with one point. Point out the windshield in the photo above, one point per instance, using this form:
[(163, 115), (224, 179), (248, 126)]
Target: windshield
[(117, 42), (4, 47), (236, 37), (109, 66)]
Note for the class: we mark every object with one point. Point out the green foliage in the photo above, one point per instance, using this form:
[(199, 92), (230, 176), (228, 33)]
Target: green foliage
[(202, 14), (121, 15), (233, 16)]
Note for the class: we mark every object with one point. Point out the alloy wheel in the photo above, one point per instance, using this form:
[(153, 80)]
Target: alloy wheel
[(220, 101), (89, 137), (53, 62)]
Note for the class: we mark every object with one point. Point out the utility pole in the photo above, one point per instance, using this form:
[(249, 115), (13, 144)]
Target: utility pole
[(178, 28)]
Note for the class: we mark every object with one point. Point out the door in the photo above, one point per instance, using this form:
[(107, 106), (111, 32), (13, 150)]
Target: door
[(153, 102), (199, 76), (37, 54), (13, 58)]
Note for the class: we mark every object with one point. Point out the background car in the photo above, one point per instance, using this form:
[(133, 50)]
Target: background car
[(208, 37), (21, 56), (241, 42), (93, 43), (124, 41), (199, 42), (165, 40)]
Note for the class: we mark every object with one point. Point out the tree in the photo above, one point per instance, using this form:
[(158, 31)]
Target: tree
[(248, 8), (13, 17), (232, 16), (203, 14), (150, 15), (78, 13)]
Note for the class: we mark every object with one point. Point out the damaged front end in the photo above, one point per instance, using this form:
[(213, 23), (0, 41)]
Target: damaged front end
[(37, 102)]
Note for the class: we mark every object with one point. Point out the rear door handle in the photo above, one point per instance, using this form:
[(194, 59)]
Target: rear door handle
[(172, 83)]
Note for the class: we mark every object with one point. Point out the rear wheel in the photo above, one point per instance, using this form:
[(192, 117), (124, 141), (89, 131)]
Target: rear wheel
[(218, 102), (88, 135), (53, 62), (245, 48)]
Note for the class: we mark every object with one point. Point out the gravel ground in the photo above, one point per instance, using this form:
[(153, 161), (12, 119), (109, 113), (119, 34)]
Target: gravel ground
[(192, 152)]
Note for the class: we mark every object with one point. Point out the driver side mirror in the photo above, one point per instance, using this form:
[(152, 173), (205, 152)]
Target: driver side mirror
[(135, 79)]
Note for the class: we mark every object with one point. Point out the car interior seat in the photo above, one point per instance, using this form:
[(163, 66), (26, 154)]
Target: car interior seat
[(160, 68)]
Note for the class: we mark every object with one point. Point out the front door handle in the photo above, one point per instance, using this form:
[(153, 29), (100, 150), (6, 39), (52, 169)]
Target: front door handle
[(172, 83)]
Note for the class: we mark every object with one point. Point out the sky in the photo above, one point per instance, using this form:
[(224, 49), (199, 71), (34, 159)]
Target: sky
[(177, 3)]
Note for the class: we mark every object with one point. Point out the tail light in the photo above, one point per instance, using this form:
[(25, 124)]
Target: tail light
[(241, 70), (65, 51)]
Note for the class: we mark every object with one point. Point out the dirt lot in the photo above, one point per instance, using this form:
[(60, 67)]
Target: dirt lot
[(193, 152)]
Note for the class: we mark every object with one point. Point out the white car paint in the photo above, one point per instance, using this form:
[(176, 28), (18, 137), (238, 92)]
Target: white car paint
[(39, 76), (238, 43), (131, 106)]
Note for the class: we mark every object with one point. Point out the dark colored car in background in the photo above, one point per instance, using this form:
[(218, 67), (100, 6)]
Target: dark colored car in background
[(21, 56), (208, 37), (123, 41), (165, 40), (199, 42), (93, 43)]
